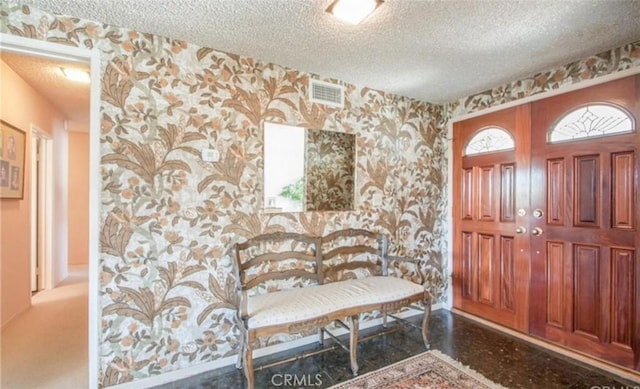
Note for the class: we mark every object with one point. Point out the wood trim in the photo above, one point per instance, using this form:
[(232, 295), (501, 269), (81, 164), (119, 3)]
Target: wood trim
[(457, 276), (351, 232), (486, 159), (318, 256), (523, 182), (361, 249), (281, 256), (281, 275), (333, 269), (276, 236)]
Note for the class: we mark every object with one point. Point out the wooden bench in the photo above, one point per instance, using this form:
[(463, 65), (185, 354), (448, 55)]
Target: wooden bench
[(294, 283)]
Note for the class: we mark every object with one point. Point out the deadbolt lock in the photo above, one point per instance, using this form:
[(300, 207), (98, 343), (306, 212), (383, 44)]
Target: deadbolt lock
[(538, 213)]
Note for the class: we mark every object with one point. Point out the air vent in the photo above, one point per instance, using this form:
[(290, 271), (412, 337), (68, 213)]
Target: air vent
[(325, 93)]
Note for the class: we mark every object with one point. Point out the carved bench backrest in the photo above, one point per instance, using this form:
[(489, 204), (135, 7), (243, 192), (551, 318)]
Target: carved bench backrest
[(278, 256), (302, 259), (353, 253)]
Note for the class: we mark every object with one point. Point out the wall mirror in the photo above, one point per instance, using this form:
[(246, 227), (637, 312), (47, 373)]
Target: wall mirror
[(308, 169)]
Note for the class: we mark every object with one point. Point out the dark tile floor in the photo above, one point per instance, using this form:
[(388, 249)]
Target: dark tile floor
[(499, 357)]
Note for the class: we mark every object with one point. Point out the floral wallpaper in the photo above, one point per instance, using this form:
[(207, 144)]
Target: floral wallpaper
[(329, 171), (169, 219), (607, 62)]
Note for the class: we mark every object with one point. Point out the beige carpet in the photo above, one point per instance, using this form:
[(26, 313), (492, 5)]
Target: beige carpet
[(47, 346)]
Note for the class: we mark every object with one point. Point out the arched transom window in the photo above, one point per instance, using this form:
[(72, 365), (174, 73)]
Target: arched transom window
[(490, 139), (591, 121)]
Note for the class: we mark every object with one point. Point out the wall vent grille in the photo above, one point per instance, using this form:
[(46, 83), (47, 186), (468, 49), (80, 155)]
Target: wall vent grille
[(326, 93)]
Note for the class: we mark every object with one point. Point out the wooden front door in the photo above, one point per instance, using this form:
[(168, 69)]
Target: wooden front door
[(491, 190), (585, 269)]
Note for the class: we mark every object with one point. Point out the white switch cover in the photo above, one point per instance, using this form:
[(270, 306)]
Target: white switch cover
[(376, 200), (210, 155)]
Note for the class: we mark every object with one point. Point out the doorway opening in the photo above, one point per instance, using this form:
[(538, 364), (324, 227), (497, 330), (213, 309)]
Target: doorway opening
[(48, 51)]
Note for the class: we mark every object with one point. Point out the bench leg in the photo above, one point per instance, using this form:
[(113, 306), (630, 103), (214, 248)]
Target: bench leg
[(321, 335), (425, 322), (248, 366), (384, 319), (353, 344), (240, 351), (239, 359)]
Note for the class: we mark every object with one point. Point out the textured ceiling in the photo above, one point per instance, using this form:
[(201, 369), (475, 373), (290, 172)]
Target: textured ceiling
[(44, 75), (435, 51)]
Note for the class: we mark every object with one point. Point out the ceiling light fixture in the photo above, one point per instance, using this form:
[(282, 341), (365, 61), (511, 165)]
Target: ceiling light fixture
[(353, 11), (76, 75)]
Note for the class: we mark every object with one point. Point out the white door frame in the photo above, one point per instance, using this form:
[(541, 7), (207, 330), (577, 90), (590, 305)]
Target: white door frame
[(41, 208), (37, 48), (35, 212)]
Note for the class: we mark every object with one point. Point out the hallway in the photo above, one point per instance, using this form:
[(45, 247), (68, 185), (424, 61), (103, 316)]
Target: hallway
[(46, 347)]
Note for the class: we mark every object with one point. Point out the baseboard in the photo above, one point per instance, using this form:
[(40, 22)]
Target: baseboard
[(269, 350), (622, 372), (15, 316)]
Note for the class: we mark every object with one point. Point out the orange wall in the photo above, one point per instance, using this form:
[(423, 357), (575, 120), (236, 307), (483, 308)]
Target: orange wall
[(78, 198), (20, 106)]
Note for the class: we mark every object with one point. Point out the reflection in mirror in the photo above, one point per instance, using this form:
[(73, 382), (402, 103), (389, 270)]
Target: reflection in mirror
[(283, 168), (329, 170), (308, 169)]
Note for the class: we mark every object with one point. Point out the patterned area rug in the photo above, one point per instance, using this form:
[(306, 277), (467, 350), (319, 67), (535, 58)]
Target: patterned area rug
[(431, 369)]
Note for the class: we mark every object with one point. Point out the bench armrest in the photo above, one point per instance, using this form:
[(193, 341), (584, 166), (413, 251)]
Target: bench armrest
[(428, 279)]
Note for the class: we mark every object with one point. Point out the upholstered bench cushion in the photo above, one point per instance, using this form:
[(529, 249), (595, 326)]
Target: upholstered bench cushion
[(299, 304)]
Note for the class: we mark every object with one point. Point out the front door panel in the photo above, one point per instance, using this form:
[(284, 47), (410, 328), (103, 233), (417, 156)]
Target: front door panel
[(491, 265), (584, 257)]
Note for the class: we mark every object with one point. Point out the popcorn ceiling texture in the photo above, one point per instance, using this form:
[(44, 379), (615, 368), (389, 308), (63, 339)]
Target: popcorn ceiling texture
[(436, 51), (72, 98), (168, 219)]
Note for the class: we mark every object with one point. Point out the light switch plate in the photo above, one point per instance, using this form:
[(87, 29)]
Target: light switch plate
[(376, 200), (210, 155)]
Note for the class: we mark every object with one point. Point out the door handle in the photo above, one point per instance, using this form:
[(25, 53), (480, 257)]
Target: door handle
[(537, 231), (521, 230)]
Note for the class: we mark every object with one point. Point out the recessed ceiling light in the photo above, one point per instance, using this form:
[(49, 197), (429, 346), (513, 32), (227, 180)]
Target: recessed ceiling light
[(76, 75), (353, 11)]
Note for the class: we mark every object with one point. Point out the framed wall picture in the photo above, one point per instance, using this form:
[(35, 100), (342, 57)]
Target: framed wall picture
[(12, 155)]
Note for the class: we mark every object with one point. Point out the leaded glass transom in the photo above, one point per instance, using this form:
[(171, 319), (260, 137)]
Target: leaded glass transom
[(490, 140), (591, 121)]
